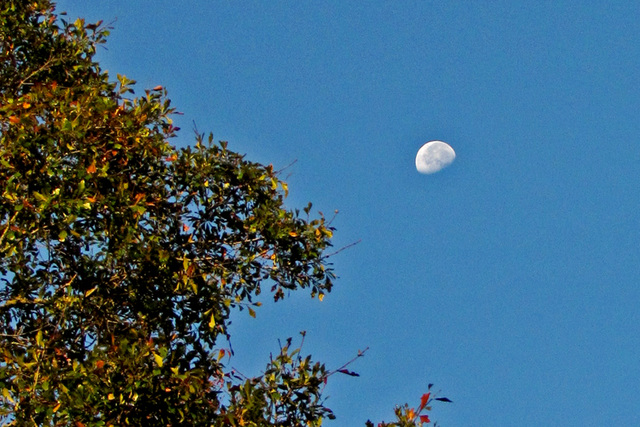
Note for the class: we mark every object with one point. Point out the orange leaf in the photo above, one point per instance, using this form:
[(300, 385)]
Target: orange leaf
[(138, 197), (92, 167), (14, 120), (100, 364), (26, 105), (157, 87)]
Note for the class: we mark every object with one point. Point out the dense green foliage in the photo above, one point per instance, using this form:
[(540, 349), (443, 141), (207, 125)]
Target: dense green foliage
[(122, 257)]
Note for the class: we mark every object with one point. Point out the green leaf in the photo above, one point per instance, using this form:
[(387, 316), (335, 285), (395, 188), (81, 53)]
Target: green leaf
[(41, 197)]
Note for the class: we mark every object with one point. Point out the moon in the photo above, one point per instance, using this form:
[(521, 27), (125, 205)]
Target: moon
[(434, 156)]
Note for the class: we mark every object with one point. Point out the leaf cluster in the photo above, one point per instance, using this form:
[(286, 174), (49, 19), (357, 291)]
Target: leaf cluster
[(407, 416), (122, 257)]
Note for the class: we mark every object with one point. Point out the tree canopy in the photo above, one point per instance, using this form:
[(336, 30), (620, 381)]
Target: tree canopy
[(122, 256)]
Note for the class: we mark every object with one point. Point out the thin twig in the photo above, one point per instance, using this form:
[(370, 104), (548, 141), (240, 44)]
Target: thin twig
[(286, 167), (359, 355), (342, 249), (45, 65)]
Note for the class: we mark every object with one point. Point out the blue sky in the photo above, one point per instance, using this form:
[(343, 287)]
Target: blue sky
[(509, 279)]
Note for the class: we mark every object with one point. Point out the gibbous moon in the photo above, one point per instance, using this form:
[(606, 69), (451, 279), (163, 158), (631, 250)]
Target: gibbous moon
[(434, 156)]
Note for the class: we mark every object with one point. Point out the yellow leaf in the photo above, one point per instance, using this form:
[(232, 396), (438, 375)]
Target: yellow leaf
[(7, 394), (320, 297), (212, 322), (55, 408), (40, 197), (252, 313), (158, 360), (111, 396)]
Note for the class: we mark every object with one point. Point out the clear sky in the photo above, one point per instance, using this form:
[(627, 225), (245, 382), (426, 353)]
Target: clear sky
[(508, 279)]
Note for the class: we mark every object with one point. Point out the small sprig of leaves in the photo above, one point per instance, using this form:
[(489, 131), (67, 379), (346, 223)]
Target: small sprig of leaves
[(414, 417)]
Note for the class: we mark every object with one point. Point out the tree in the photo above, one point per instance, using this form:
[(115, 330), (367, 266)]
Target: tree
[(122, 257)]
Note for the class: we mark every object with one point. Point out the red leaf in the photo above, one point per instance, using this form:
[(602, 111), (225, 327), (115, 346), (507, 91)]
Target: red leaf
[(424, 399), (425, 419), (344, 371)]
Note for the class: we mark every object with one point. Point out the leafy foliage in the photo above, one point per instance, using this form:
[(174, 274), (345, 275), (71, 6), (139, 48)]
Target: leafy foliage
[(122, 257), (410, 417)]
